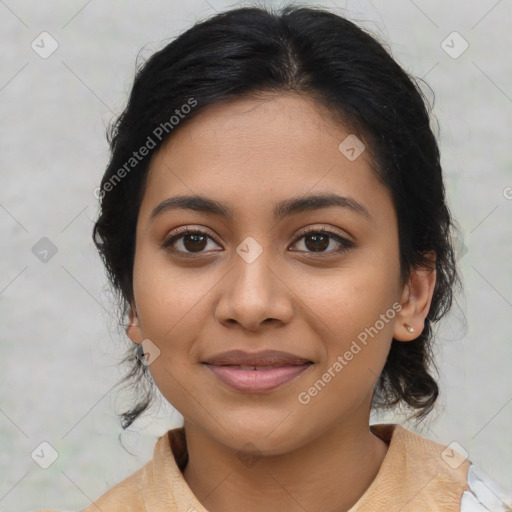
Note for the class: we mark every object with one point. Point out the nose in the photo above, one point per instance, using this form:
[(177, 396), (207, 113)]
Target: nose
[(253, 294)]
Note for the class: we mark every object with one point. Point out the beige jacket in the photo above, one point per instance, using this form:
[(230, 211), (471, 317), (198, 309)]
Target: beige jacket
[(417, 475)]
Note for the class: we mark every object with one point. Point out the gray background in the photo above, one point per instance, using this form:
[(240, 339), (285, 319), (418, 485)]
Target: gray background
[(59, 342)]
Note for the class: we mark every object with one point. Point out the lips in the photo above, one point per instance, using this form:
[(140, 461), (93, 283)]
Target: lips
[(257, 372), (257, 360)]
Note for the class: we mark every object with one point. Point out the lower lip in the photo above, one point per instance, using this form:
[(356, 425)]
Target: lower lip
[(253, 381)]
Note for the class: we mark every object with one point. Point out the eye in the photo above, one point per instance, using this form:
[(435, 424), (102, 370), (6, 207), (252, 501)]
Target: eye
[(192, 241), (195, 241), (318, 239)]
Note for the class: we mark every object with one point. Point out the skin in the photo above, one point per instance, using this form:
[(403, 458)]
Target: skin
[(250, 154)]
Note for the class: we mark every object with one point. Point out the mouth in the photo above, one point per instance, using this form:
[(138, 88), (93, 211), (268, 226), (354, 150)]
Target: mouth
[(257, 378), (263, 359), (252, 367)]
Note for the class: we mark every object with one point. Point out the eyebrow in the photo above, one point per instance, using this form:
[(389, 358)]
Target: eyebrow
[(282, 209)]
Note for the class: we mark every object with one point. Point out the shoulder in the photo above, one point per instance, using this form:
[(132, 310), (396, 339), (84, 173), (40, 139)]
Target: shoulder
[(125, 496), (480, 492), (159, 482), (419, 453), (484, 494), (477, 491), (421, 475)]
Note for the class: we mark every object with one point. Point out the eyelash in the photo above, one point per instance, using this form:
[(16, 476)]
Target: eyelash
[(345, 243)]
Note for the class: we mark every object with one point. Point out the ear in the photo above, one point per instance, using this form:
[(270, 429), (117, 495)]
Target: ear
[(415, 300), (133, 330)]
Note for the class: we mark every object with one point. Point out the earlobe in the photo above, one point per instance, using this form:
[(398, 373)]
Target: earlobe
[(133, 328), (416, 299)]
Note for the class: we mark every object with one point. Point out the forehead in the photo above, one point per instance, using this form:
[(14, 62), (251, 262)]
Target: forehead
[(245, 151)]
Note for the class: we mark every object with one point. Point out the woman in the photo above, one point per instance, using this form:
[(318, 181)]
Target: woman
[(274, 220)]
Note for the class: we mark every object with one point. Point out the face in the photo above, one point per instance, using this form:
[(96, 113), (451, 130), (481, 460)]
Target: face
[(311, 281)]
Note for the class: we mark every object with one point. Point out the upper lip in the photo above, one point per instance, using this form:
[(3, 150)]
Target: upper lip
[(263, 358)]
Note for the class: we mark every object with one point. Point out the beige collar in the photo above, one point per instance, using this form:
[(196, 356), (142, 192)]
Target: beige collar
[(417, 475)]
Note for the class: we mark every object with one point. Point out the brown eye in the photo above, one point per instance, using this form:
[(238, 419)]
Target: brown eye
[(194, 242), (318, 240), (189, 242)]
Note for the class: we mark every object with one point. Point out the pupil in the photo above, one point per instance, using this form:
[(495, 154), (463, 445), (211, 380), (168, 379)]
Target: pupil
[(316, 238), (196, 243)]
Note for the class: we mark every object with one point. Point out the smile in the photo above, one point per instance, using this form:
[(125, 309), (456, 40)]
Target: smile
[(254, 379)]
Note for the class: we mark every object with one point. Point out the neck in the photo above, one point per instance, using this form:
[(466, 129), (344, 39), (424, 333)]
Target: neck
[(329, 473)]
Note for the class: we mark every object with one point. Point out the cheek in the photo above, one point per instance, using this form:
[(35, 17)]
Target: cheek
[(354, 310), (165, 294), (168, 301)]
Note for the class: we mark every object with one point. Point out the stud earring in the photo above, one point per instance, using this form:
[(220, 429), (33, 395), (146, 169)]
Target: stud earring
[(409, 328)]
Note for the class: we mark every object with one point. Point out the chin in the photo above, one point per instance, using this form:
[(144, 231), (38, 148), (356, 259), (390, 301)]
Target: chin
[(262, 436)]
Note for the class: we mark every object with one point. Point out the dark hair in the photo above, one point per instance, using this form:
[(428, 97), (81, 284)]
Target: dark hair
[(321, 55)]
